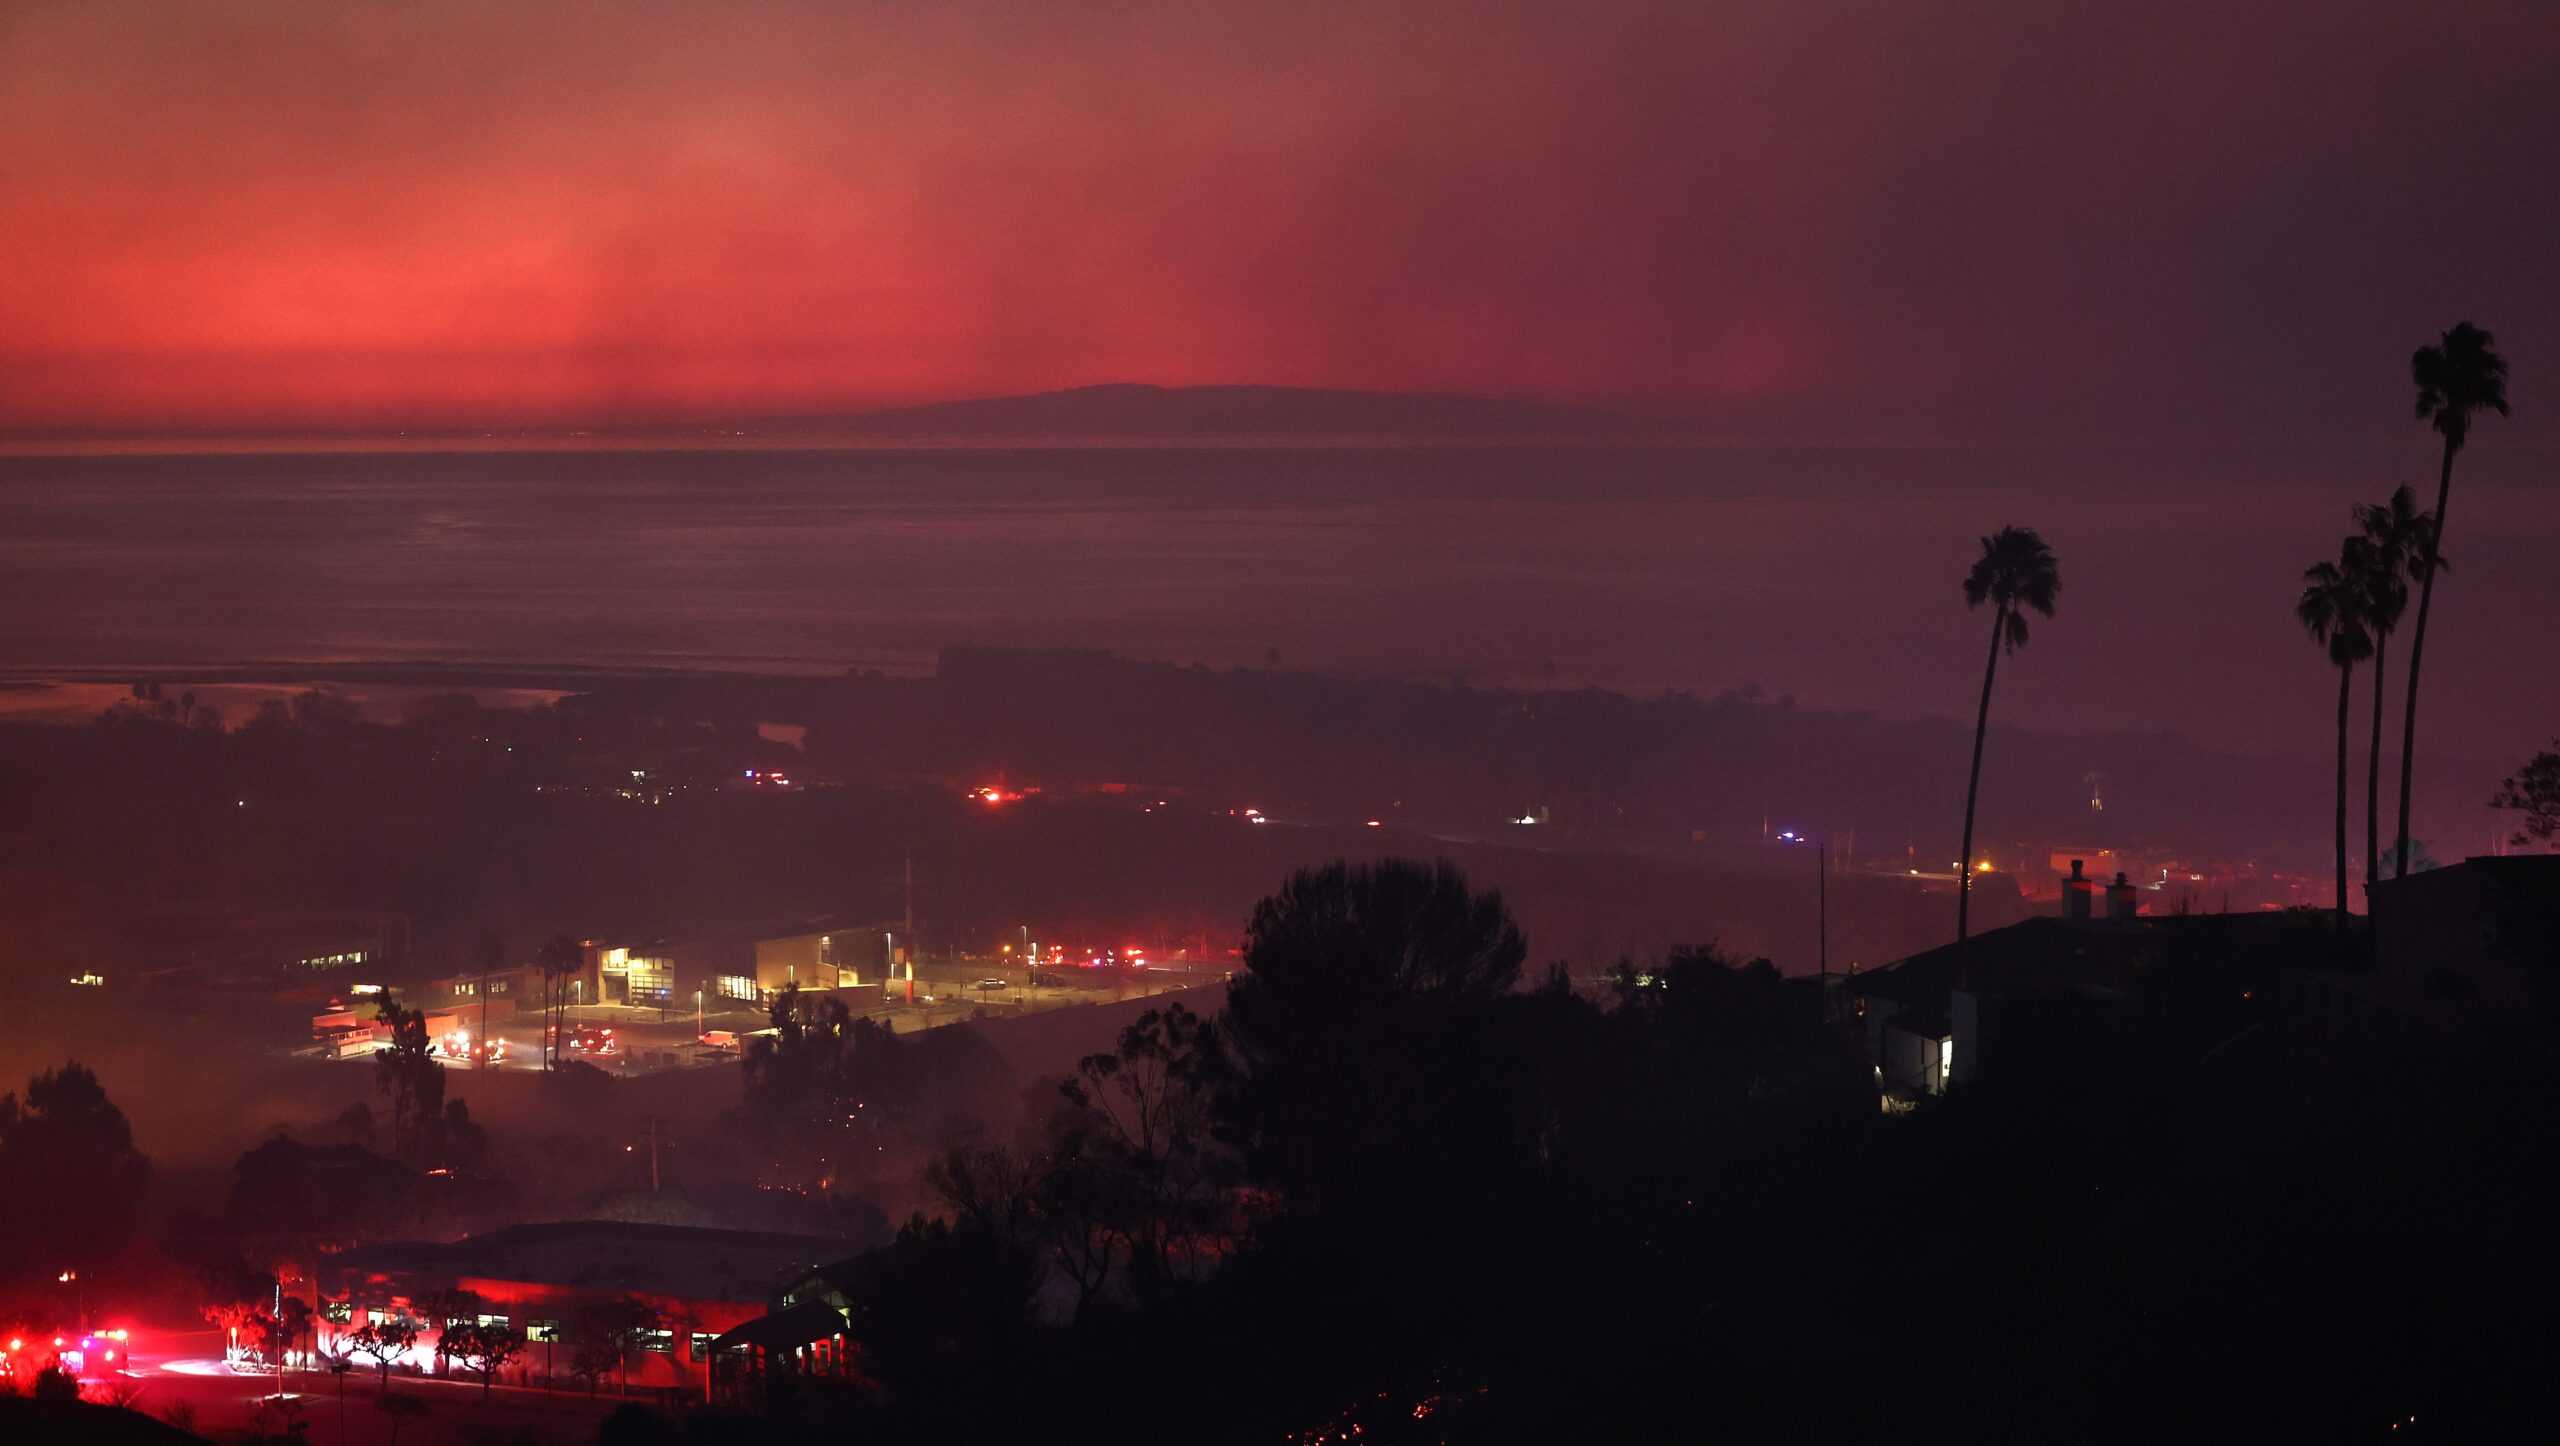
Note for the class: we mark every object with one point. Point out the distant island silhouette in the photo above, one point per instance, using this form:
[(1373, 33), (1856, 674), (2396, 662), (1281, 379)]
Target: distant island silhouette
[(1139, 411)]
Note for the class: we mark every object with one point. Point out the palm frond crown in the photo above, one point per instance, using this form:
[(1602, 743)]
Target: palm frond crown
[(2459, 377), (2016, 573), (2331, 608), (2398, 533)]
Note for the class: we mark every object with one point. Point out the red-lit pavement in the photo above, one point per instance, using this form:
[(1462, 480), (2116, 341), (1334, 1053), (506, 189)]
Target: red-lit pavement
[(184, 1374)]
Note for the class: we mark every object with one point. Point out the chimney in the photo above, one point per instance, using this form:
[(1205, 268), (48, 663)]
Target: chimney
[(2075, 895), (2120, 902)]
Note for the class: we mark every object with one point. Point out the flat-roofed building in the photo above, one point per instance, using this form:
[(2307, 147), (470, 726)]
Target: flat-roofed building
[(827, 952), (696, 1284)]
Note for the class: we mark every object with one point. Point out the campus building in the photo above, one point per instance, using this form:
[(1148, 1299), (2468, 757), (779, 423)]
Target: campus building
[(696, 1283)]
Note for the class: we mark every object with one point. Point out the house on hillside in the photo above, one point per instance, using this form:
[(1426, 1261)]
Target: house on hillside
[(2184, 982), (806, 1333), (2468, 954)]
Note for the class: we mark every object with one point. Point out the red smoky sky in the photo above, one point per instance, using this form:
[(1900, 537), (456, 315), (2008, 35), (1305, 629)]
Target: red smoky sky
[(1829, 221)]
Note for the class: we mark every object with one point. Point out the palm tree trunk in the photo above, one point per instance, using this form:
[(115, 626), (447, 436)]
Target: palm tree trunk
[(2373, 778), (2346, 676), (1973, 785), (2417, 649)]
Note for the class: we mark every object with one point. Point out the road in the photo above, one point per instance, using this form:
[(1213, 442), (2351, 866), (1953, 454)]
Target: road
[(182, 1377)]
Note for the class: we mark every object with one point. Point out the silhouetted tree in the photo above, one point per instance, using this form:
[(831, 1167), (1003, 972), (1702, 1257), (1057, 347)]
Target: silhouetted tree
[(602, 1334), (485, 1349), (408, 1073), (2458, 378), (559, 958), (1148, 1104), (2397, 531), (1344, 970), (811, 1081), (2332, 610), (2534, 791), (941, 1309), (245, 1303), (71, 1182), (383, 1341), (448, 1311), (2016, 573), (296, 1199), (286, 1325), (54, 1386)]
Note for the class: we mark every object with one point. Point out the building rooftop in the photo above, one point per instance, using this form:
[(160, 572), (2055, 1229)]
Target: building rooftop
[(609, 1256), (799, 1325), (1927, 1023), (2047, 952)]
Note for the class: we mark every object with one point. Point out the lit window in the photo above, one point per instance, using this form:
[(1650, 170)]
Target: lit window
[(541, 1331), (701, 1345), (493, 1320), (337, 1310), (661, 1341)]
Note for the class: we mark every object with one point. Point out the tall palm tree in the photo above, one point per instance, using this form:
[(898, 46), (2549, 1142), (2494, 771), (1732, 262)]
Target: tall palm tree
[(2015, 573), (2397, 532), (561, 957), (2456, 379), (2332, 611)]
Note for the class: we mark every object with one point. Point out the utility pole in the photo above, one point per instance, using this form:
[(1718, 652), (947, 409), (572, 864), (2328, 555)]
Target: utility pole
[(1822, 914), (911, 918)]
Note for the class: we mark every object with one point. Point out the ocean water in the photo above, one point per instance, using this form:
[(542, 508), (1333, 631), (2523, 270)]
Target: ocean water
[(1829, 575)]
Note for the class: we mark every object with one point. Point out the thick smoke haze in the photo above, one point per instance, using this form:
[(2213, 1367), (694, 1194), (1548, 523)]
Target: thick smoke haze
[(1815, 222)]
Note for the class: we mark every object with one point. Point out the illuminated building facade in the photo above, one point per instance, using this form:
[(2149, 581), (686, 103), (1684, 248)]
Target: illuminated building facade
[(697, 1283)]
